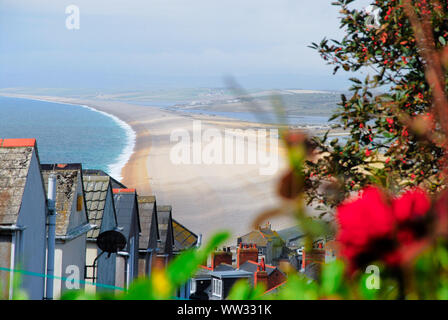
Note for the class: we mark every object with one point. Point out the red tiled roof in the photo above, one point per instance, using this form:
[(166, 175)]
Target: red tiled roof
[(123, 190), (13, 143)]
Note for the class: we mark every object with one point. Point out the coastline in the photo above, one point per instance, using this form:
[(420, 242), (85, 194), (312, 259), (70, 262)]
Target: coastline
[(115, 169), (204, 198)]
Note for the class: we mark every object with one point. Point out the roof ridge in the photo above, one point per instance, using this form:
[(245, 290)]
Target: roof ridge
[(123, 190), (17, 143)]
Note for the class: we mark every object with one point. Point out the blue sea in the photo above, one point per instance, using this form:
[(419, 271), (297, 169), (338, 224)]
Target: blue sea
[(68, 133)]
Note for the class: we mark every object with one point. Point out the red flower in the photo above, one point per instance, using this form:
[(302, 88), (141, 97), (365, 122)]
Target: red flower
[(411, 205), (372, 219)]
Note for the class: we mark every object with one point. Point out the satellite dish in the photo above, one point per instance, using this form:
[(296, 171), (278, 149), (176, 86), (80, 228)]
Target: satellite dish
[(111, 241)]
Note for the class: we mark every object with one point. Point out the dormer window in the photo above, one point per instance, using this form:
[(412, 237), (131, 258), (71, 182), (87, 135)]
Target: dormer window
[(217, 288)]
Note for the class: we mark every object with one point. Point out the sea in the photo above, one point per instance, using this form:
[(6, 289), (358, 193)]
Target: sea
[(69, 133)]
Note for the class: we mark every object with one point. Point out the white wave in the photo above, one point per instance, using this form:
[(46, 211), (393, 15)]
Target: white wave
[(116, 168)]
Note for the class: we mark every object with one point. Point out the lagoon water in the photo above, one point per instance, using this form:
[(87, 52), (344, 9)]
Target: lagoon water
[(67, 133)]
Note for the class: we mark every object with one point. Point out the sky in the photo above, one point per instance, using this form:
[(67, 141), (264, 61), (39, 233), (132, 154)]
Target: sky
[(135, 44)]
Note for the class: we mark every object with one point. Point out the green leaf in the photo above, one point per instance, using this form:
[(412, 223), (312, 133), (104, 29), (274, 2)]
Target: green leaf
[(332, 277), (243, 290), (183, 267)]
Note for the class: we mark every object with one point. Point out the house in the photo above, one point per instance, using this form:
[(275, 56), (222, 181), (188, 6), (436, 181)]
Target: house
[(260, 272), (166, 240), (100, 267), (269, 243), (23, 211), (150, 236), (223, 281), (126, 208), (162, 237), (72, 226), (292, 237), (214, 282)]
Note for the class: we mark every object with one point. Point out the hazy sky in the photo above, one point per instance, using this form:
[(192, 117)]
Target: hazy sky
[(156, 43)]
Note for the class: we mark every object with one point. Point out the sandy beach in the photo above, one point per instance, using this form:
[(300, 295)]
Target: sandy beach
[(204, 197)]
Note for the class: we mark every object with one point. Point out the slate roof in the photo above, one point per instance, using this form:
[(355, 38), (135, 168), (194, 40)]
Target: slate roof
[(231, 274), (125, 205), (183, 238), (15, 159), (67, 183), (224, 267), (251, 266), (146, 208), (114, 183), (291, 233), (95, 191), (165, 228), (261, 237), (202, 273)]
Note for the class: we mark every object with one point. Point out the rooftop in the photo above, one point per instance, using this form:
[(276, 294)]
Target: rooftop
[(123, 190), (115, 183), (125, 206), (67, 176), (15, 159), (165, 225), (290, 233), (252, 266), (231, 274), (183, 237), (146, 207), (95, 190), (261, 236)]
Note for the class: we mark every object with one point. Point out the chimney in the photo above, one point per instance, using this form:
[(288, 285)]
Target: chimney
[(246, 253), (220, 257), (303, 261), (261, 276)]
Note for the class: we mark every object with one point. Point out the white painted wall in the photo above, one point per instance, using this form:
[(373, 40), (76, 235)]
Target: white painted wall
[(30, 252), (70, 254)]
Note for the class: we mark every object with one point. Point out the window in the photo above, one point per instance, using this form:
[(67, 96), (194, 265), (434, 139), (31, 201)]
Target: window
[(193, 286), (79, 201), (217, 287)]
